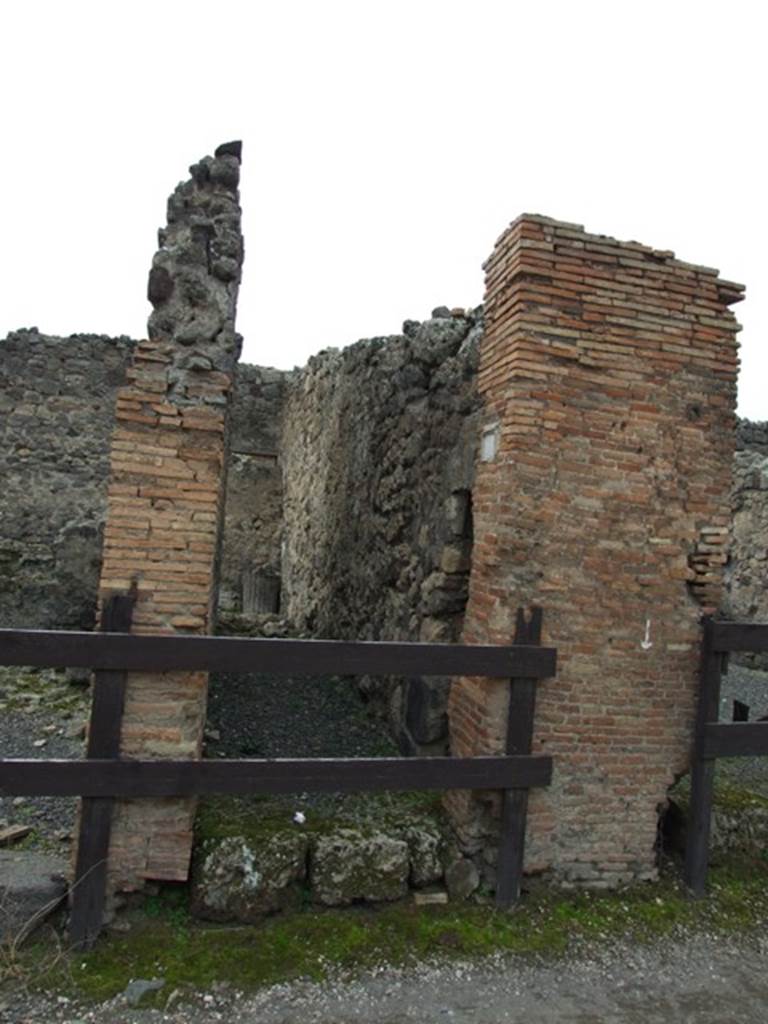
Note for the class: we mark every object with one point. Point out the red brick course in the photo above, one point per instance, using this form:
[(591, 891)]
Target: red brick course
[(164, 507), (608, 370)]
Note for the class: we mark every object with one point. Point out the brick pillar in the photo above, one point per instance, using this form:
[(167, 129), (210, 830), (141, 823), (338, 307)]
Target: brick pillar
[(608, 373), (166, 490)]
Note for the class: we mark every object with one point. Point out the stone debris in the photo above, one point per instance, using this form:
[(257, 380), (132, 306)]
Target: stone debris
[(348, 865), (425, 899), (239, 879), (140, 987), (32, 887), (462, 879)]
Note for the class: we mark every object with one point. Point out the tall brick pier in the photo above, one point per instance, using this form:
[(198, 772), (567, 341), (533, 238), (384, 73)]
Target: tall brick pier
[(166, 492), (608, 373)]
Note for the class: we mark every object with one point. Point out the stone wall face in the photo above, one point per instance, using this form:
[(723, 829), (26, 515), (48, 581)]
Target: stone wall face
[(166, 494), (747, 575), (57, 399), (378, 459), (608, 374), (57, 412), (253, 520)]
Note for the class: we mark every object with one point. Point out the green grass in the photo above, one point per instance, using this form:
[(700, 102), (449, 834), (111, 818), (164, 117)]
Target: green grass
[(164, 941)]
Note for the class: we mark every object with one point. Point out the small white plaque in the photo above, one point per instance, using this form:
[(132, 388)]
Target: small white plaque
[(489, 444)]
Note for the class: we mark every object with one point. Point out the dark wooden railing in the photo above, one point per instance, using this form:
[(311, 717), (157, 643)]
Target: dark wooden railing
[(103, 776), (713, 739)]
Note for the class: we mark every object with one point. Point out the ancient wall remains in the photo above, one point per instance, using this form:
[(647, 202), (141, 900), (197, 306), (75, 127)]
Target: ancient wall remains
[(747, 575), (57, 411), (584, 469), (57, 399), (608, 374), (378, 458), (253, 520), (166, 494)]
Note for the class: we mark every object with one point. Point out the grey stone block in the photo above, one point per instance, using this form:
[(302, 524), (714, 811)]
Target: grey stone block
[(32, 886)]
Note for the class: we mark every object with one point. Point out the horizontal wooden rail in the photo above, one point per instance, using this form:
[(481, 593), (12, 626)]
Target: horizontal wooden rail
[(118, 651), (103, 777), (739, 636), (735, 739), (96, 778)]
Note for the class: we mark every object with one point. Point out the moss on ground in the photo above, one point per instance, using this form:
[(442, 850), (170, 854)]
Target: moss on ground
[(164, 941), (258, 818), (45, 690), (732, 793)]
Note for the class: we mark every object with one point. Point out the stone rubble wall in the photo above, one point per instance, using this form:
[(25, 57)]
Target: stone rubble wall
[(608, 375), (253, 519), (747, 572), (378, 458), (57, 412)]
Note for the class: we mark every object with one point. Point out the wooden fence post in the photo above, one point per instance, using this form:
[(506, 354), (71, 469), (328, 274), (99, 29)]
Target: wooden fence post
[(90, 883), (514, 811), (702, 768)]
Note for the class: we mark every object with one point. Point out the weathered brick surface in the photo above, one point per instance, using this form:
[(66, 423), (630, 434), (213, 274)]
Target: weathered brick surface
[(166, 493), (608, 372)]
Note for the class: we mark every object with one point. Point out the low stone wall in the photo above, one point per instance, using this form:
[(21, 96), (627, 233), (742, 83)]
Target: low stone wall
[(747, 572), (378, 461), (278, 864)]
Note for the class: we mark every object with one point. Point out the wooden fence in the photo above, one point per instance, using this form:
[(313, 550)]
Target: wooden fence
[(103, 776), (713, 739)]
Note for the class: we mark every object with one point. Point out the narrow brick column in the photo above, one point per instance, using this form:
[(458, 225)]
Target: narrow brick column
[(166, 493), (608, 373)]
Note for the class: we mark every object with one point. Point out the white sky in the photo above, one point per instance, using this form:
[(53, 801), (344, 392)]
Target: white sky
[(386, 146)]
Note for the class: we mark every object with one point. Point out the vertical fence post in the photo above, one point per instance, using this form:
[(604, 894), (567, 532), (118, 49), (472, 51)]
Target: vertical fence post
[(90, 883), (514, 810), (702, 769)]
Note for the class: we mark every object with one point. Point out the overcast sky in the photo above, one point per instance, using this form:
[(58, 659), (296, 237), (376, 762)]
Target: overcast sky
[(386, 146)]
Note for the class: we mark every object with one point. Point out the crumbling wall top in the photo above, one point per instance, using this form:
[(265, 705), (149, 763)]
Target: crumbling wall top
[(195, 273)]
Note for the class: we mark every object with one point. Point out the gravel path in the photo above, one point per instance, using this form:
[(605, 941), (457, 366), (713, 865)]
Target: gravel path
[(307, 716), (42, 715), (694, 980)]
